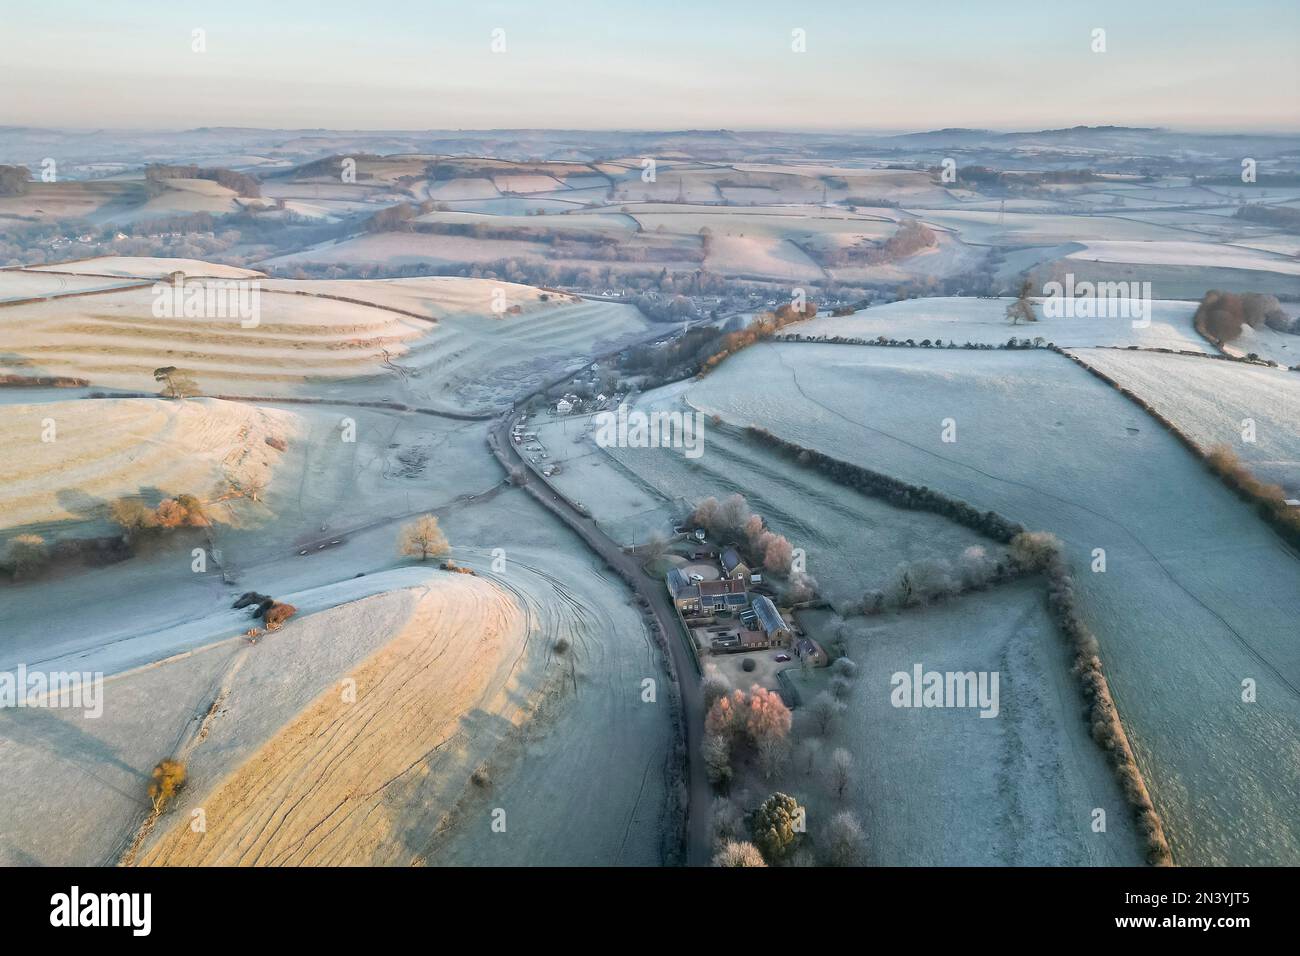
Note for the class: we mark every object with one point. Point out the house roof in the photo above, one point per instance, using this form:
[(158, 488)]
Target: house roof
[(768, 616), (730, 559), (677, 581), (725, 586)]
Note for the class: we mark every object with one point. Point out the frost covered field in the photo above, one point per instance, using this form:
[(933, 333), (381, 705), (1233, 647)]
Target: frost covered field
[(458, 345), (526, 677), (1177, 253), (984, 322), (1198, 595), (946, 787), (1219, 403), (852, 542)]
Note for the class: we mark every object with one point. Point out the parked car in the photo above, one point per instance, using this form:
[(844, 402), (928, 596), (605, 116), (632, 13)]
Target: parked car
[(782, 658)]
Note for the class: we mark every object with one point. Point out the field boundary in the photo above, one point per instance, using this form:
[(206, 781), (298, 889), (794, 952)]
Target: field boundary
[(1283, 520), (1107, 728)]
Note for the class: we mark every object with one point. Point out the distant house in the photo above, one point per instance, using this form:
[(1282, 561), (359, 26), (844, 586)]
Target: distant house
[(733, 566), (725, 595), (563, 407), (685, 594), (770, 621)]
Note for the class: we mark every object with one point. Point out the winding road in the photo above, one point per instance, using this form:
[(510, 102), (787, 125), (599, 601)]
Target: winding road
[(699, 794)]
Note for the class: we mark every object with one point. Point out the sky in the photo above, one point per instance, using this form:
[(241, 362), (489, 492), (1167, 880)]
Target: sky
[(666, 64)]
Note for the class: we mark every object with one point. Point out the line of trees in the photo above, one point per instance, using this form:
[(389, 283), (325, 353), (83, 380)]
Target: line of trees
[(765, 325), (242, 183), (1013, 343), (930, 580), (1041, 551), (898, 493)]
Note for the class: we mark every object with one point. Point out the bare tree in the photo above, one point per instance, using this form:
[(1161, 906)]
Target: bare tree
[(732, 515), (773, 752), (824, 711), (655, 546), (733, 853), (840, 771), (1022, 308), (845, 842), (717, 758), (713, 686), (728, 820), (810, 750)]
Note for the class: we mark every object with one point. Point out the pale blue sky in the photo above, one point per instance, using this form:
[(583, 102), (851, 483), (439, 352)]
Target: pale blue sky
[(904, 64)]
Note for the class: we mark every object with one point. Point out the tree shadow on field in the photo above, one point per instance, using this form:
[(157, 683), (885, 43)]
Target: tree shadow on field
[(39, 729), (85, 506)]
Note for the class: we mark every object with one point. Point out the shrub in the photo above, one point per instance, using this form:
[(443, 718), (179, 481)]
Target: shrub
[(168, 778), (1034, 550), (183, 511), (27, 555), (748, 664), (132, 516), (277, 614)]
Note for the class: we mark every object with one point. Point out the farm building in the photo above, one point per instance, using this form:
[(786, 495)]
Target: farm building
[(733, 566), (684, 593), (770, 621), (725, 595)]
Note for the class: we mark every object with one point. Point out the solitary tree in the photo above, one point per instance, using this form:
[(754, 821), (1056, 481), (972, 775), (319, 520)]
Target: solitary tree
[(423, 538), (168, 779), (176, 383), (1022, 309)]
